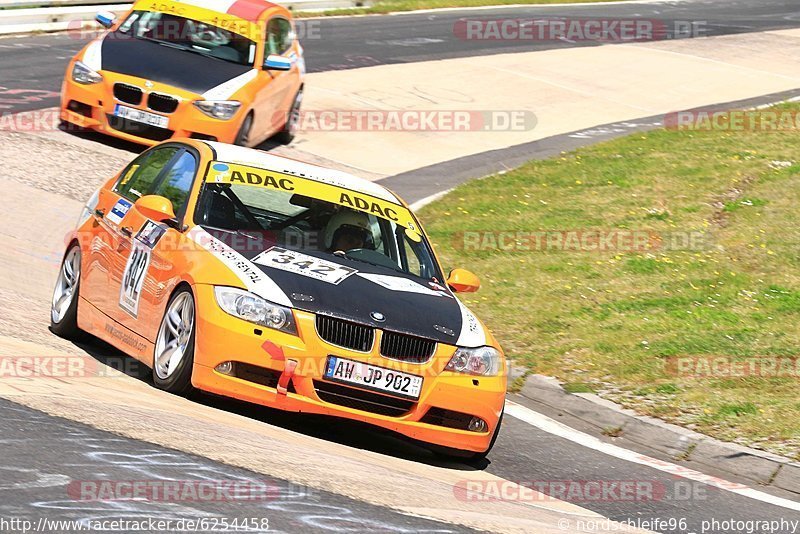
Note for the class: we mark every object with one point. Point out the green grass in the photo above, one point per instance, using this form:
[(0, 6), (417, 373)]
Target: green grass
[(391, 6), (608, 321)]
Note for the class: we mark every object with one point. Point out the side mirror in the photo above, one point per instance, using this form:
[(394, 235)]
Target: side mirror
[(463, 281), (156, 208), (106, 19), (276, 62)]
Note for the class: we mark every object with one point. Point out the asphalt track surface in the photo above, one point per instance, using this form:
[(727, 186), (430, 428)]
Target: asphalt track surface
[(42, 453), (31, 68)]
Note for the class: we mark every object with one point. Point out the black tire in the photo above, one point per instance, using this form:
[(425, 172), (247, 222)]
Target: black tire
[(65, 324), (469, 457), (289, 130), (179, 381), (243, 137)]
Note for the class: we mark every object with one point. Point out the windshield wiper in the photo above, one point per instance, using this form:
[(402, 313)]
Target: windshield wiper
[(162, 43)]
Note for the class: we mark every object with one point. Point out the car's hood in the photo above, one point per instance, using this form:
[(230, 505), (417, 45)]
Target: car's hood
[(163, 64), (408, 304)]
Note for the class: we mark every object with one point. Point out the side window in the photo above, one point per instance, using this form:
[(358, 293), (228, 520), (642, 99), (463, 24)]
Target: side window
[(140, 178), (279, 36), (178, 182), (415, 266)]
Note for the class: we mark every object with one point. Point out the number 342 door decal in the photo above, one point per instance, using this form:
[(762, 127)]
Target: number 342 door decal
[(136, 268)]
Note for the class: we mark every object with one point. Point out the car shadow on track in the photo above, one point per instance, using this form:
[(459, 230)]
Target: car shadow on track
[(342, 431)]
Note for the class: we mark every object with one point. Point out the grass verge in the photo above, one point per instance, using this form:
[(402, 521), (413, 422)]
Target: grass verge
[(718, 276)]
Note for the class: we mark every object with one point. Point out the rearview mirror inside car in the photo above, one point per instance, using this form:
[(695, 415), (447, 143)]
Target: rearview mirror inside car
[(106, 19), (463, 281), (276, 62)]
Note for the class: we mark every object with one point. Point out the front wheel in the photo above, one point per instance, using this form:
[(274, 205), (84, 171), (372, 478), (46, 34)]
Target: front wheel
[(289, 131), (64, 305), (173, 359), (243, 137)]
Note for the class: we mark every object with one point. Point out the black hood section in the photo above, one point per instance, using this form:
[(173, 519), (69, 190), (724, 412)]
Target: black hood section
[(355, 298), (163, 64)]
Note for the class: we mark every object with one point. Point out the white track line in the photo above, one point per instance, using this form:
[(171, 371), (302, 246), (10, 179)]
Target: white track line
[(552, 426)]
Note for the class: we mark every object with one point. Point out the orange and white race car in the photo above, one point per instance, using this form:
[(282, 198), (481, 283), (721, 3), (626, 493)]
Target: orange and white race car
[(277, 282), (219, 70)]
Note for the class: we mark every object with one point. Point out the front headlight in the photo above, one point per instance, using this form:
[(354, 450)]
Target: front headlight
[(218, 109), (478, 361), (83, 74), (252, 308)]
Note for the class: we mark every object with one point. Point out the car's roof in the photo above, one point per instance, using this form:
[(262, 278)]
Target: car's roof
[(263, 160), (250, 10)]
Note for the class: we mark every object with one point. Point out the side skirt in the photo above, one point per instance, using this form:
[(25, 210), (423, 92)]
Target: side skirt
[(97, 323)]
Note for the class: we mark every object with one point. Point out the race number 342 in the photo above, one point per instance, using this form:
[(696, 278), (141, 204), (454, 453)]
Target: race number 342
[(133, 278)]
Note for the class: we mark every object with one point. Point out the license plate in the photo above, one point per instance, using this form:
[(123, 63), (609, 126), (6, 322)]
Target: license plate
[(137, 115), (373, 377)]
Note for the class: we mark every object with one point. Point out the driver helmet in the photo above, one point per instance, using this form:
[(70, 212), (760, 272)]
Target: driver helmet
[(349, 222)]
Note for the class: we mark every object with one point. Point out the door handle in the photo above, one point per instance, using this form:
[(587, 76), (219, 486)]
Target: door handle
[(127, 231), (100, 213)]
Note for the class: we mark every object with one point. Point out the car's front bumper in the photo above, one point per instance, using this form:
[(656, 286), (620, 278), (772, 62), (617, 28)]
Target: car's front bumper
[(221, 338), (92, 107)]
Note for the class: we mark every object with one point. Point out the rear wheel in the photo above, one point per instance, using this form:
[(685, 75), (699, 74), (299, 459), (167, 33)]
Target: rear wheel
[(289, 131), (173, 359), (243, 137), (64, 305)]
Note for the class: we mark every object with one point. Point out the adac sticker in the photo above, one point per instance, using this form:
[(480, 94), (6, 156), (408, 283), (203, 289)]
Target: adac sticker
[(119, 211)]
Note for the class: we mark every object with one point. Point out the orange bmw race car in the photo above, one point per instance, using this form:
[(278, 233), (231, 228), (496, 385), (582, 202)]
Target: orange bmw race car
[(277, 282), (219, 70)]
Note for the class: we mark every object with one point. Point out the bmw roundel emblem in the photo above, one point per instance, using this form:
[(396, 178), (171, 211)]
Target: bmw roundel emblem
[(378, 316)]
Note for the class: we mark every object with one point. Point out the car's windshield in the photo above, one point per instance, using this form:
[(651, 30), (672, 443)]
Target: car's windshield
[(191, 35), (267, 209)]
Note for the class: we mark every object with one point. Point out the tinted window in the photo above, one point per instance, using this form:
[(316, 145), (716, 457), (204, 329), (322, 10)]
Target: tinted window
[(178, 181), (140, 178)]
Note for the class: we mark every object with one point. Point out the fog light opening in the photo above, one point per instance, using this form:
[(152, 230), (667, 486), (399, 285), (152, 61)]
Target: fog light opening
[(225, 368), (476, 424)]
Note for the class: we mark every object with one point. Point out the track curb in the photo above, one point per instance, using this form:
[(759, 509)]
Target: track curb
[(675, 442)]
